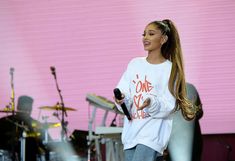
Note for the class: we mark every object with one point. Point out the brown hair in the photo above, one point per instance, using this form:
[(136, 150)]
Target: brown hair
[(171, 50)]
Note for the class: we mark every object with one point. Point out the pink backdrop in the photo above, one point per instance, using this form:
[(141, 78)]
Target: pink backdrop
[(91, 42)]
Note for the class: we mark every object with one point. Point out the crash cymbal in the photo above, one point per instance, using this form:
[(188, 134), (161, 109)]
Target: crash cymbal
[(57, 108)]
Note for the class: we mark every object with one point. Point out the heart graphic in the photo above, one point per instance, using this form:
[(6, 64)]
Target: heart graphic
[(137, 100)]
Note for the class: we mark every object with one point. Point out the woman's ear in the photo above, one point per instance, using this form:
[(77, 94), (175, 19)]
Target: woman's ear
[(164, 39)]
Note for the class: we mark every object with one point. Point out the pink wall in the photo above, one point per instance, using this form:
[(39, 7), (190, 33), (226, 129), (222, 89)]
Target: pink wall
[(91, 42)]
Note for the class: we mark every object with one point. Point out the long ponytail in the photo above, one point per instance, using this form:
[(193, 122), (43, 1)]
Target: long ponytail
[(172, 51)]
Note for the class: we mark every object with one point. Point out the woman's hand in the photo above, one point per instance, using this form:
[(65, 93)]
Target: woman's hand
[(119, 101), (145, 104)]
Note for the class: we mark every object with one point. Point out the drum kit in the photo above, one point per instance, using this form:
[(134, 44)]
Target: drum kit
[(18, 127), (36, 130)]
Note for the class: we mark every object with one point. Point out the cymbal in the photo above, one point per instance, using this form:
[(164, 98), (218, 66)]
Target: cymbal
[(11, 111), (6, 111), (32, 134), (46, 125), (57, 108)]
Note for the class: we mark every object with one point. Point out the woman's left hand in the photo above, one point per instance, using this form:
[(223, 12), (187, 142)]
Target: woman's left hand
[(145, 104)]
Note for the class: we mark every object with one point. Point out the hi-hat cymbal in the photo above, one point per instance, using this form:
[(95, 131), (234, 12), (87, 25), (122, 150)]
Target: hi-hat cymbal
[(32, 134), (11, 111), (6, 111), (57, 108), (46, 125)]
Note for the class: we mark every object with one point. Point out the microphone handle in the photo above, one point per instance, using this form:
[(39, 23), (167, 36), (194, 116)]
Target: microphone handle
[(118, 95), (123, 106)]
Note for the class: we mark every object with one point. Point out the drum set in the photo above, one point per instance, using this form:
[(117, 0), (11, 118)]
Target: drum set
[(24, 139)]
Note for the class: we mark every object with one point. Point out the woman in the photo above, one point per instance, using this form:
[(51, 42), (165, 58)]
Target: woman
[(151, 88)]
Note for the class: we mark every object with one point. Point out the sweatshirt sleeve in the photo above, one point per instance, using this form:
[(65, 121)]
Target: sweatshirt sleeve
[(161, 105), (124, 86)]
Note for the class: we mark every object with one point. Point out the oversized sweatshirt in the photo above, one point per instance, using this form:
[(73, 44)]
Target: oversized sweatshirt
[(152, 125)]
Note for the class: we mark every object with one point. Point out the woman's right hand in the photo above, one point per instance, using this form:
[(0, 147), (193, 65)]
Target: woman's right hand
[(119, 102)]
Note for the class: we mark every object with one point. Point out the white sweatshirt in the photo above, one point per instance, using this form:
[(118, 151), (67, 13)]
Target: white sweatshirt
[(152, 125)]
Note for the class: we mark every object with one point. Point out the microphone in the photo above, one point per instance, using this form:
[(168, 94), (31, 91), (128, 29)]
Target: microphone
[(118, 95)]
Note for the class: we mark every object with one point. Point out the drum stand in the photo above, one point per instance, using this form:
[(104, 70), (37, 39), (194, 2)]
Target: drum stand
[(22, 146), (45, 141)]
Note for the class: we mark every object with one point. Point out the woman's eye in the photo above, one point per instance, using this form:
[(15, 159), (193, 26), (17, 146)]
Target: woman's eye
[(143, 34), (151, 34)]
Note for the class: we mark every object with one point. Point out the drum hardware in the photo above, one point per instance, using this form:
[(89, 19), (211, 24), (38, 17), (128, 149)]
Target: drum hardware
[(22, 146), (23, 143), (57, 109), (45, 126), (5, 155)]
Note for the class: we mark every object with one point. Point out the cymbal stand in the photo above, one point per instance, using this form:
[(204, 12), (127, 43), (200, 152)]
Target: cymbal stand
[(63, 123)]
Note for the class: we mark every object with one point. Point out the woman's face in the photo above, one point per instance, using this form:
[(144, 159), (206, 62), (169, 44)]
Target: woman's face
[(152, 38)]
